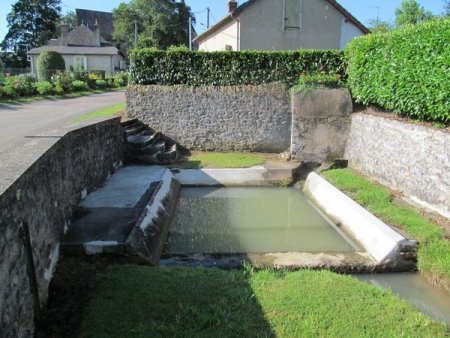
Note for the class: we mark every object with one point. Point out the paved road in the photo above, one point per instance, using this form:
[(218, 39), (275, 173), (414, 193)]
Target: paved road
[(30, 119)]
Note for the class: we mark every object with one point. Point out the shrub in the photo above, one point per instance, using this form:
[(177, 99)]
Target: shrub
[(63, 80), (48, 63), (44, 87), (101, 83), (406, 70), (79, 86), (19, 85), (121, 79), (99, 74), (149, 66), (322, 80)]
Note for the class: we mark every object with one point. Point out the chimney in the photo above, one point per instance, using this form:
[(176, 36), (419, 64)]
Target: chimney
[(97, 33), (64, 34), (232, 5)]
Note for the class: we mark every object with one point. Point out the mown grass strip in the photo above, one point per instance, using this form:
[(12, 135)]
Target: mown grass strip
[(434, 249), (139, 301), (222, 160), (107, 111)]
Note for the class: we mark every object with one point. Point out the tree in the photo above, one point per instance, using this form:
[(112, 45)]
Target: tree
[(447, 8), (379, 26), (160, 22), (70, 19), (30, 23), (410, 12)]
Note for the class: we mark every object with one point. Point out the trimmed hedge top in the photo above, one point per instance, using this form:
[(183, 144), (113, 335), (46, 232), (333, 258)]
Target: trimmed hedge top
[(149, 66), (406, 70)]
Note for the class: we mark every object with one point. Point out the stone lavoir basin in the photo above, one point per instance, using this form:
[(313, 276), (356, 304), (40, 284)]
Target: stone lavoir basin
[(251, 220)]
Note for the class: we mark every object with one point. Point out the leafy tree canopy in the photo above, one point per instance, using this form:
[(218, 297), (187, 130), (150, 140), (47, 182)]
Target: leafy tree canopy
[(161, 23), (379, 26), (410, 12), (30, 23), (447, 8), (70, 19)]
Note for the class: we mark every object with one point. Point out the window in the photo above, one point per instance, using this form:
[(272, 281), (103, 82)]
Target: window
[(80, 61), (292, 14)]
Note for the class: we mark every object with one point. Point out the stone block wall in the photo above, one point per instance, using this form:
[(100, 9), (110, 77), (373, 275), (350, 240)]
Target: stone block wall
[(411, 158), (320, 124), (44, 195), (235, 118)]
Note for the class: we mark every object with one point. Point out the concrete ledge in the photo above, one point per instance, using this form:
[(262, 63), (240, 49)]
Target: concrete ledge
[(382, 242), (258, 175), (149, 234)]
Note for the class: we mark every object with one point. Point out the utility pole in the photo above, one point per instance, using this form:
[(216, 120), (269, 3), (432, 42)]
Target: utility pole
[(190, 33), (378, 13), (135, 34), (207, 17)]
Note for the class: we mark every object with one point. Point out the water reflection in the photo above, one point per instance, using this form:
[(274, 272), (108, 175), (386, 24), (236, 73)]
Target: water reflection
[(250, 219)]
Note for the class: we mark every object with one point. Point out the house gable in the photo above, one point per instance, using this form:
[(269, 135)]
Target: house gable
[(287, 24)]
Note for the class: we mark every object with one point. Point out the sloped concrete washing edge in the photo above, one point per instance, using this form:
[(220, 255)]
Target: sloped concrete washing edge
[(382, 242)]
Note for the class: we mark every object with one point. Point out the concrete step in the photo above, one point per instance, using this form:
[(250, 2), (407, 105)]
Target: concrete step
[(134, 130), (141, 141), (128, 123)]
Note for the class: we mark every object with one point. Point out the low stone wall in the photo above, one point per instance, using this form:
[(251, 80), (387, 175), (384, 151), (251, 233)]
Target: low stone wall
[(320, 124), (235, 118), (43, 193), (404, 156)]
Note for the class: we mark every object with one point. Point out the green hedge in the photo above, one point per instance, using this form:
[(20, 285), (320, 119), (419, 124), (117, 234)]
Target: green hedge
[(49, 63), (406, 71), (149, 66)]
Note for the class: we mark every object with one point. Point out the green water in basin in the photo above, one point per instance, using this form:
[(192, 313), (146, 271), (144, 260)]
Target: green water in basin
[(251, 220)]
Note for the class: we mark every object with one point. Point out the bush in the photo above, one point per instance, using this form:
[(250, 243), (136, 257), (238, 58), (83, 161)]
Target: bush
[(19, 85), (63, 80), (48, 63), (79, 86), (101, 83), (149, 66), (44, 87), (318, 81), (406, 70), (121, 79), (98, 74)]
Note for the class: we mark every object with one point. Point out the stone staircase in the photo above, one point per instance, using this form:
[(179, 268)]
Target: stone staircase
[(144, 145)]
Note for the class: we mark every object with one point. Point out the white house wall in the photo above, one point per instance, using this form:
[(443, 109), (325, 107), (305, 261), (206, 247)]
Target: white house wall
[(94, 62), (348, 32), (228, 35), (262, 27)]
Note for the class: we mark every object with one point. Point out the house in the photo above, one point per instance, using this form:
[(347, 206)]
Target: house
[(83, 47), (282, 25)]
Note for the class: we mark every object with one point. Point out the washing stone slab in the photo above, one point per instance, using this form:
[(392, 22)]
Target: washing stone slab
[(270, 174), (383, 243)]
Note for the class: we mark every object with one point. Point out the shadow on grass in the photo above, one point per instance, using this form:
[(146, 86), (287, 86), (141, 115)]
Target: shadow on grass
[(141, 301)]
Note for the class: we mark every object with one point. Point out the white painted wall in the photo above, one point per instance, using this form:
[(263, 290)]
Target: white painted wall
[(226, 35), (261, 27), (348, 32)]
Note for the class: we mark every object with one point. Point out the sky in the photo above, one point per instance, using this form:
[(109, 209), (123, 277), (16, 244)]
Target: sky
[(363, 10)]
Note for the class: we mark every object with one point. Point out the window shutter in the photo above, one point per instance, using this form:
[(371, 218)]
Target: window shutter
[(293, 14)]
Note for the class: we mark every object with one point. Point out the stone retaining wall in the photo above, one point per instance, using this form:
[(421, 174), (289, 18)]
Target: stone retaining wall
[(412, 158), (235, 118), (44, 194)]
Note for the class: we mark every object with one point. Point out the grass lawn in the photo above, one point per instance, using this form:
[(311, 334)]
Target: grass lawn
[(222, 160), (140, 301), (107, 111), (434, 249)]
